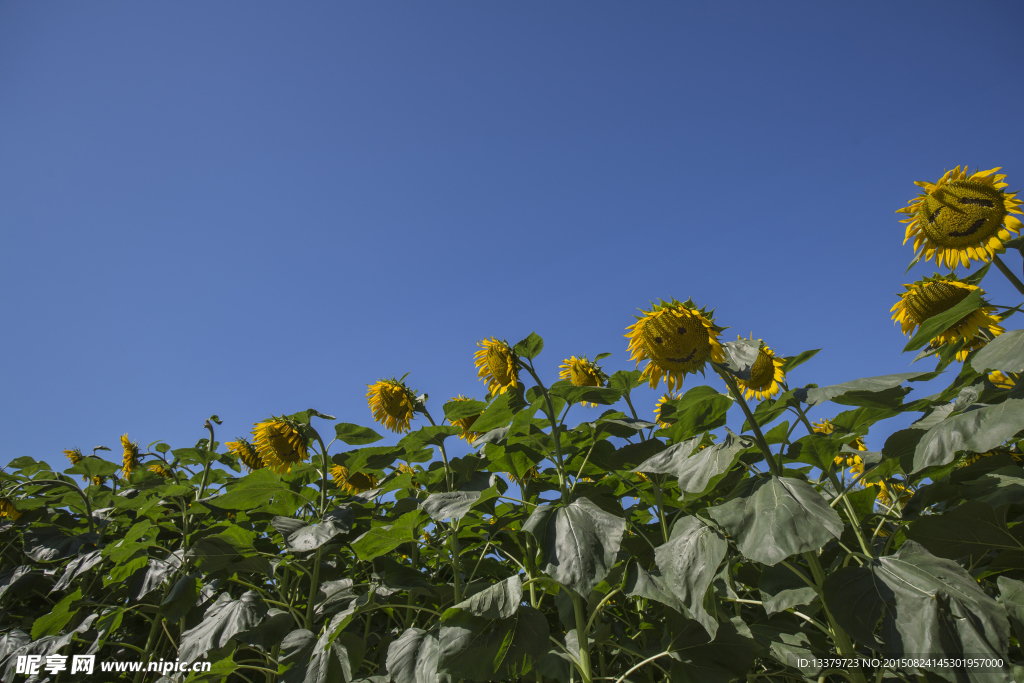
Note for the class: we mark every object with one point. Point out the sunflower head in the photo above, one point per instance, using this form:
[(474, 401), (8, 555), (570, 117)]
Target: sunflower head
[(280, 443), (890, 492), (582, 372), (246, 453), (826, 427), (392, 403), (97, 481), (675, 338), (74, 455), (7, 509), (961, 217), (161, 469), (660, 405), (1003, 381), (765, 375), (466, 422), (130, 461), (930, 296), (352, 483), (497, 364)]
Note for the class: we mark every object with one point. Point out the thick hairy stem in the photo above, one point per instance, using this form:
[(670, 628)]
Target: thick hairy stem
[(1014, 280), (449, 480), (554, 433), (738, 396), (154, 631), (581, 634), (843, 642), (455, 561), (314, 586)]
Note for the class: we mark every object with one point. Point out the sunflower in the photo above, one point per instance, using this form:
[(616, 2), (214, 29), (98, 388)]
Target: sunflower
[(582, 372), (161, 469), (392, 403), (531, 473), (352, 483), (98, 481), (765, 374), (851, 460), (406, 469), (280, 444), (931, 296), (74, 455), (890, 492), (466, 422), (497, 363), (961, 217), (661, 404), (1003, 381), (971, 459), (244, 451), (130, 462), (7, 509), (675, 338)]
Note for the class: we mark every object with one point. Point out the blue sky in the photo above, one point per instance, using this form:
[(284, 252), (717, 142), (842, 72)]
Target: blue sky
[(257, 208)]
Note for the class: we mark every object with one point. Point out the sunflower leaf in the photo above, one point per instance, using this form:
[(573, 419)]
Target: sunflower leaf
[(481, 649), (860, 388), (979, 429), (625, 380), (222, 621), (92, 467), (688, 563), (412, 657), (699, 409), (792, 361), (498, 414), (355, 435), (938, 324), (698, 471), (602, 395), (459, 410), (740, 356), (1004, 353), (971, 528), (530, 347)]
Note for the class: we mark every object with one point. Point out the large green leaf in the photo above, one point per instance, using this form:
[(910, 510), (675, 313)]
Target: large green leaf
[(499, 601), (699, 409), (355, 435), (300, 537), (929, 607), (793, 361), (698, 659), (979, 429), (937, 324), (578, 542), (222, 621), (382, 539), (90, 466), (323, 659), (256, 489), (698, 471), (971, 529), (50, 544), (777, 518), (50, 623), (601, 395), (688, 563), (459, 410), (781, 589), (1004, 353), (740, 356), (412, 657), (530, 347), (858, 392), (499, 413), (482, 649), (433, 435)]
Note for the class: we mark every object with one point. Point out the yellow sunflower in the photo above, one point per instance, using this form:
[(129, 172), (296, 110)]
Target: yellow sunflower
[(582, 372), (961, 217), (496, 363), (1003, 381), (466, 422), (161, 469), (244, 451), (675, 338), (352, 483), (851, 460), (531, 473), (130, 461), (406, 469), (74, 455), (97, 481), (280, 444), (888, 492), (7, 509), (661, 404), (931, 296), (392, 403), (765, 375), (971, 459)]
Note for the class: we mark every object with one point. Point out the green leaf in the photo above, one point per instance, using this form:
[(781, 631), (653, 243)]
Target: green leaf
[(781, 589), (601, 395), (355, 435), (222, 621), (530, 347), (771, 409), (860, 389), (433, 435), (928, 606), (498, 414), (625, 380), (698, 471), (688, 563), (256, 489), (90, 466), (385, 538), (937, 324), (412, 657), (793, 361), (778, 518), (460, 410), (970, 529), (182, 598), (481, 649), (194, 456), (53, 621), (1011, 595), (302, 538), (740, 356), (499, 601), (391, 574), (977, 430), (699, 409), (441, 506), (816, 449), (578, 542), (218, 673), (50, 544), (1004, 353), (697, 659)]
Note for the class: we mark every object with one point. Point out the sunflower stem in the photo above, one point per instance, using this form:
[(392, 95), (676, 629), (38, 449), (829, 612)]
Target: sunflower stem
[(1014, 280), (455, 561), (738, 396), (448, 478), (314, 586), (554, 433), (580, 611), (325, 473), (843, 643)]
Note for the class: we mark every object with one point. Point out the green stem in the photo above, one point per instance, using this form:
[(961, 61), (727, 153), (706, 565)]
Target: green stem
[(150, 643), (738, 396), (659, 500), (554, 433), (455, 561), (1014, 280), (629, 403), (842, 640), (449, 479), (315, 585), (581, 634)]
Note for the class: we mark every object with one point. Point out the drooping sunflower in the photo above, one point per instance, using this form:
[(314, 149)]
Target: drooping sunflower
[(466, 422), (971, 459), (765, 374), (352, 483), (130, 461), (7, 509), (1003, 381), (74, 455), (392, 403), (675, 338), (850, 460), (930, 296), (583, 372), (161, 469), (280, 444), (246, 453), (497, 365), (961, 217), (661, 404)]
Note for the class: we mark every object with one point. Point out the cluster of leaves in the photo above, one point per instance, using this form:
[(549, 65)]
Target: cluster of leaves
[(615, 550)]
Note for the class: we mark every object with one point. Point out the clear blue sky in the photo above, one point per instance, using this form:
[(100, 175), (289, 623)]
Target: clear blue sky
[(254, 208)]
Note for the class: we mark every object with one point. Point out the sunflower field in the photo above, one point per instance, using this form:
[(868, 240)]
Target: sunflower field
[(499, 541)]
